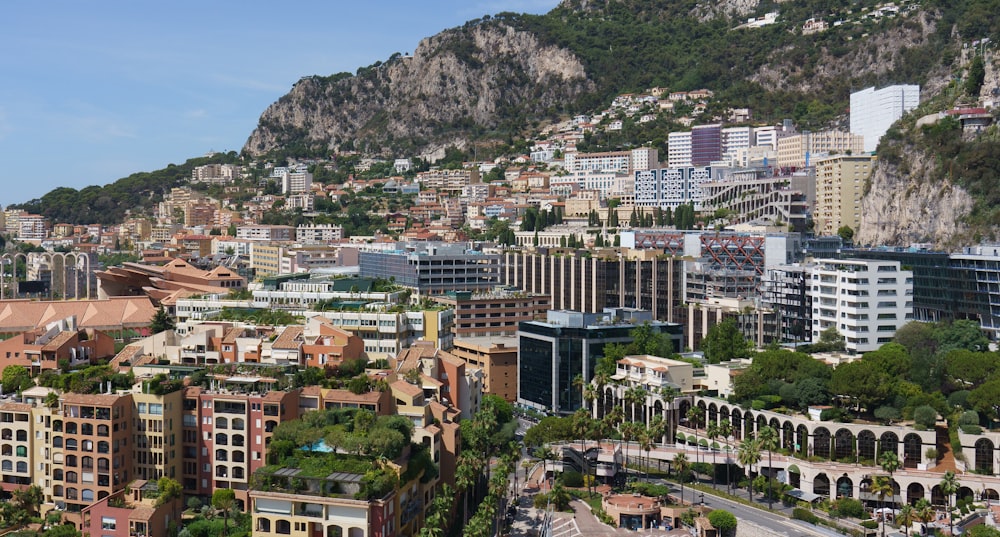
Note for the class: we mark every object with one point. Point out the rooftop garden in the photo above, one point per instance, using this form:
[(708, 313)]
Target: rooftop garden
[(343, 452)]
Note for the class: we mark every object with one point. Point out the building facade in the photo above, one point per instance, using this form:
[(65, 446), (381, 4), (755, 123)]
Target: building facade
[(873, 111)]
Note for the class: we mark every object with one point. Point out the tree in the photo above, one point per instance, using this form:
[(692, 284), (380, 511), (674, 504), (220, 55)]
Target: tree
[(169, 490), (15, 378), (29, 499), (724, 521), (907, 515), (846, 233), (985, 399), (682, 466), (696, 417), (712, 432), (925, 415), (924, 510), (749, 455), (977, 74), (161, 321), (862, 383), (881, 485), (725, 431), (767, 437), (949, 487), (725, 342), (62, 530), (224, 500)]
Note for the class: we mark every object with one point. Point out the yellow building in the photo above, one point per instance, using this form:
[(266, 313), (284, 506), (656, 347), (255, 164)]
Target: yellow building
[(265, 258), (157, 445), (802, 150), (840, 183)]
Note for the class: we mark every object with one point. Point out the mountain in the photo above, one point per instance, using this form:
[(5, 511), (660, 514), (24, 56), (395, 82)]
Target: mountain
[(496, 77)]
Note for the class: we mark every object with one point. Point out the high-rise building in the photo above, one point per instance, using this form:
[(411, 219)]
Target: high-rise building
[(866, 301), (840, 183), (734, 139), (801, 150), (671, 187), (873, 111), (706, 144), (433, 268), (679, 149), (568, 344)]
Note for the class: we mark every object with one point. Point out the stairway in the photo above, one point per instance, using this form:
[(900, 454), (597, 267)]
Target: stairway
[(946, 458)]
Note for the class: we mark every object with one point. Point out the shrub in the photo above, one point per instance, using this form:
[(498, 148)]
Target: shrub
[(925, 415), (969, 417), (931, 453), (831, 414), (804, 515), (572, 478), (757, 404), (724, 521), (971, 429), (849, 508), (959, 398), (869, 524)]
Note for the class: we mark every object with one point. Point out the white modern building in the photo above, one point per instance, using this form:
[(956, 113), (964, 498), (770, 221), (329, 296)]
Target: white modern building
[(671, 187), (318, 233), (873, 111), (865, 300), (679, 149), (733, 140)]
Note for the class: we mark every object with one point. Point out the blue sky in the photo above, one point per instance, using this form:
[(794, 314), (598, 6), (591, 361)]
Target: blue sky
[(93, 91)]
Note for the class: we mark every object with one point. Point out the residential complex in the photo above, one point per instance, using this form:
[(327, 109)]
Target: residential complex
[(840, 184)]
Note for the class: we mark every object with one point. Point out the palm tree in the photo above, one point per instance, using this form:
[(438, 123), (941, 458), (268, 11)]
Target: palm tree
[(949, 486), (906, 517), (590, 394), (466, 478), (882, 485), (924, 510), (695, 417), (546, 454), (646, 444), (224, 500), (668, 394), (634, 396), (768, 439), (600, 381), (889, 462), (629, 431), (712, 432), (725, 431), (748, 456), (578, 383), (681, 464)]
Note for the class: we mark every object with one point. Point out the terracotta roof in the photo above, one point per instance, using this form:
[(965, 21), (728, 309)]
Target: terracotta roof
[(313, 391), (232, 334), (15, 407), (57, 342), (289, 339), (347, 396), (111, 314), (407, 388), (91, 399)]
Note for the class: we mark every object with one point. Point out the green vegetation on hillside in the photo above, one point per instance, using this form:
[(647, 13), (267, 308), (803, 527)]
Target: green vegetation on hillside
[(108, 204)]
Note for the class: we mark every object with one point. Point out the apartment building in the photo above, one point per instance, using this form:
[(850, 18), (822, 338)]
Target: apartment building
[(802, 150), (492, 313), (265, 233), (734, 139), (496, 357), (706, 145), (434, 267), (865, 300), (757, 195), (840, 185), (226, 430), (679, 150), (134, 512), (389, 332), (669, 188), (318, 233), (619, 278), (624, 162), (17, 429), (448, 181)]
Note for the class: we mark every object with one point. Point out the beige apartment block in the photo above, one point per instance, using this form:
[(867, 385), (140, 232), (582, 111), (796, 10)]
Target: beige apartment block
[(840, 184)]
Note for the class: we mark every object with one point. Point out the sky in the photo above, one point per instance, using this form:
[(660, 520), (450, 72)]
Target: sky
[(91, 92)]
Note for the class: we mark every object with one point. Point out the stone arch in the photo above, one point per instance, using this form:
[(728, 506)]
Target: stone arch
[(845, 487), (984, 456), (888, 442), (821, 442), (802, 438), (12, 259), (843, 444), (736, 420), (788, 436), (761, 422), (683, 406), (748, 425), (990, 494), (914, 492), (937, 497), (821, 485), (355, 532), (912, 445), (866, 445), (334, 531), (713, 414), (658, 408), (964, 493)]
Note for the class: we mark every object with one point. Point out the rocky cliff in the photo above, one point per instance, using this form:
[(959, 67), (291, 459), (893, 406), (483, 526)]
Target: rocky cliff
[(905, 205), (475, 77)]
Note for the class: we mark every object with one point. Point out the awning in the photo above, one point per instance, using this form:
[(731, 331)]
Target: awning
[(799, 494), (794, 469)]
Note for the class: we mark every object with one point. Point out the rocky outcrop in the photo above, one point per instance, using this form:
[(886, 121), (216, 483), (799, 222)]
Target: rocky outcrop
[(878, 54), (460, 80), (905, 205)]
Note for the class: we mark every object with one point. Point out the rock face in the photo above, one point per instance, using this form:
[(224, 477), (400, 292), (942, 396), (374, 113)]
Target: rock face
[(462, 79), (904, 208)]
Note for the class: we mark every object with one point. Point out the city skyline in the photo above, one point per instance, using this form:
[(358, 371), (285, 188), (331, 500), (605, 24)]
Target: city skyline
[(95, 94)]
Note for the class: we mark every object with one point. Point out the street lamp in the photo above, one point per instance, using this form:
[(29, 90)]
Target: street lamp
[(702, 497)]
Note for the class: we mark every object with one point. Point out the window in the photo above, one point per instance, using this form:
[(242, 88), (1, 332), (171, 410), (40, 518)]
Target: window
[(156, 409), (283, 527), (190, 420), (108, 523), (142, 408), (21, 451)]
